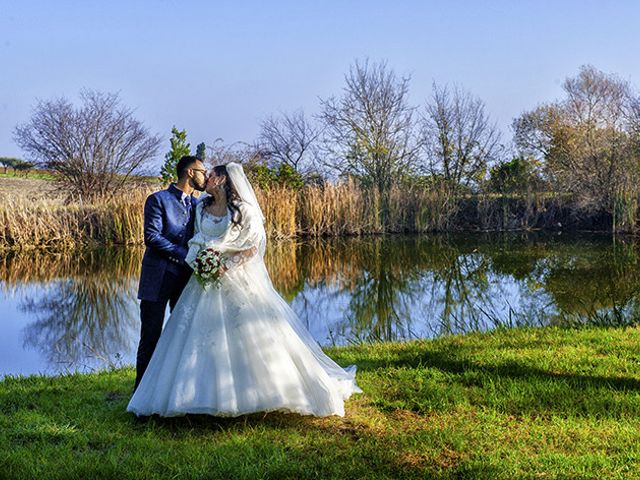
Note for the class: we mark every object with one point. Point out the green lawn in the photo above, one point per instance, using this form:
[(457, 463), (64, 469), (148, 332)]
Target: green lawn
[(32, 174), (546, 403)]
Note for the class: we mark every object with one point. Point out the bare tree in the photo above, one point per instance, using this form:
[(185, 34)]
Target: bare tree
[(589, 140), (369, 132), (252, 158), (221, 153), (596, 98), (633, 124), (94, 149), (289, 139), (458, 137)]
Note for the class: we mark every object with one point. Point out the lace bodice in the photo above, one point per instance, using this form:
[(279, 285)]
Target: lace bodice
[(214, 227), (247, 238)]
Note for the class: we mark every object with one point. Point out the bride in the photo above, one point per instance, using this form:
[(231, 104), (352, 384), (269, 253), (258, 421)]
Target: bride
[(237, 347)]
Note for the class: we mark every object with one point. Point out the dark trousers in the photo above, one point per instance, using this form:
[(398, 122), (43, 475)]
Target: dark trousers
[(152, 318)]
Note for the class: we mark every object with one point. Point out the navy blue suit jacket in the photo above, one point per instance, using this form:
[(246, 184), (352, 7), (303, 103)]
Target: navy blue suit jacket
[(168, 226)]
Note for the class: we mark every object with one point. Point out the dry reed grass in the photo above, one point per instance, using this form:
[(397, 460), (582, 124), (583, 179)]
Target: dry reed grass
[(279, 209), (342, 209), (27, 220), (27, 223)]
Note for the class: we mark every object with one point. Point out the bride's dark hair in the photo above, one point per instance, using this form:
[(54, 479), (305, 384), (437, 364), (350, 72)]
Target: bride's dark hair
[(233, 199)]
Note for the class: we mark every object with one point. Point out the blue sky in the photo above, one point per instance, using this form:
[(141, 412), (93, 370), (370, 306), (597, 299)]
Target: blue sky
[(216, 68)]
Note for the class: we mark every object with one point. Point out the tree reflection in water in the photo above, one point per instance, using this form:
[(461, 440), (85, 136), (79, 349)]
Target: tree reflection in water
[(88, 317), (352, 289), (393, 288)]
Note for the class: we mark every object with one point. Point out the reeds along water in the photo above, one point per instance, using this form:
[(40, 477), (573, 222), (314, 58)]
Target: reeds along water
[(346, 209), (60, 223), (342, 209), (330, 210), (279, 209)]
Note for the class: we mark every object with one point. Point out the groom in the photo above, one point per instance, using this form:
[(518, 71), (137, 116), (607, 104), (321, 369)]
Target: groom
[(168, 226)]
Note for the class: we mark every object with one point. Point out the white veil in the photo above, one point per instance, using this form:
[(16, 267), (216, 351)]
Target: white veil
[(243, 187), (250, 205)]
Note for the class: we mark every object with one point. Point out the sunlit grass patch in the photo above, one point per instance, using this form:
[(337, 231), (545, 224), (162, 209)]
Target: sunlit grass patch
[(549, 403)]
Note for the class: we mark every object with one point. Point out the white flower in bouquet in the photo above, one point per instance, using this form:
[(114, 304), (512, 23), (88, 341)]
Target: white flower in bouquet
[(209, 267)]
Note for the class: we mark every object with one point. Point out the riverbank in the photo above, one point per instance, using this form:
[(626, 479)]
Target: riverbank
[(529, 403), (34, 215)]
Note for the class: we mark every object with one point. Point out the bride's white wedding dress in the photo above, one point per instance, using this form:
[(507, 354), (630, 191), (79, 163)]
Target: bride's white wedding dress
[(238, 348)]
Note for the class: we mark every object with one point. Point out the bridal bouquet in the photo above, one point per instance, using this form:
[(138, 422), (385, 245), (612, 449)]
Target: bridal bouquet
[(209, 267)]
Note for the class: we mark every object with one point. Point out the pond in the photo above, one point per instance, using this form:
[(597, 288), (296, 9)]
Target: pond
[(77, 311)]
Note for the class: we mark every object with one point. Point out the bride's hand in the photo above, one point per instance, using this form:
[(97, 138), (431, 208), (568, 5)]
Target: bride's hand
[(217, 182)]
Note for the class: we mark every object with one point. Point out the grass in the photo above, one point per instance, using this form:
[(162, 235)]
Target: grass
[(31, 174), (529, 403)]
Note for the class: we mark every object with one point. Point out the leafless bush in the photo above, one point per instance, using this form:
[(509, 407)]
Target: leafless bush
[(93, 148), (289, 139)]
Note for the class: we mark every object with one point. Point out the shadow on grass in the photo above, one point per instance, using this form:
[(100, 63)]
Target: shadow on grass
[(508, 386), (451, 362), (209, 423)]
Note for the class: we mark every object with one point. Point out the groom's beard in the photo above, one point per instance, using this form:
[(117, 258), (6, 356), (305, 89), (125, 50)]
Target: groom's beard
[(199, 186)]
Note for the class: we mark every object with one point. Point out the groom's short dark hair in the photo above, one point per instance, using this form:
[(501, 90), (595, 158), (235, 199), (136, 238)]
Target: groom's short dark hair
[(184, 164)]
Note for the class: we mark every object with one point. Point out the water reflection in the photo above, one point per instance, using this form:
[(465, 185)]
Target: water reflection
[(379, 289), (81, 305), (80, 308), (79, 319)]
